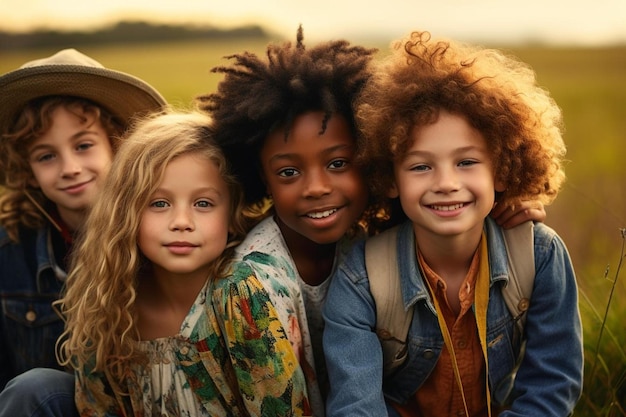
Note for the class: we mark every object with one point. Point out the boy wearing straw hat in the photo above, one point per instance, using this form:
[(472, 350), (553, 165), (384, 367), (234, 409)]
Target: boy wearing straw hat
[(60, 120)]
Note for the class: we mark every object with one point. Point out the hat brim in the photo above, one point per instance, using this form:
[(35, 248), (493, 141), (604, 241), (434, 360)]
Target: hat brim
[(121, 94)]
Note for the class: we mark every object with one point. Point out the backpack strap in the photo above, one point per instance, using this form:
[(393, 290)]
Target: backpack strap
[(392, 320), (520, 249)]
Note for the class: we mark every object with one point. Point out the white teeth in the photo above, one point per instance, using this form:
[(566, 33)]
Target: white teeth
[(448, 208), (321, 214)]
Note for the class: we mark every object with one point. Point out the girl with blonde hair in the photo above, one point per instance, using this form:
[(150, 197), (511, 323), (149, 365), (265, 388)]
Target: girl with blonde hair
[(160, 321)]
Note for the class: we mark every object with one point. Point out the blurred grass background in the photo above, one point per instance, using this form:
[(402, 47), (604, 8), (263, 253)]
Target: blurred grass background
[(590, 86)]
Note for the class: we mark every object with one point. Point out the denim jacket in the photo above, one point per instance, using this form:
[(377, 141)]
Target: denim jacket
[(29, 327), (549, 381)]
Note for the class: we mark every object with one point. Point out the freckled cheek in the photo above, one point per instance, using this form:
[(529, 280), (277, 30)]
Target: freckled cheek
[(144, 228), (141, 242), (218, 227), (103, 166), (285, 198), (105, 170)]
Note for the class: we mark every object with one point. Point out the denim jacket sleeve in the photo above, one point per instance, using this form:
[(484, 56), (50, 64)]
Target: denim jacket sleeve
[(549, 381), (352, 350)]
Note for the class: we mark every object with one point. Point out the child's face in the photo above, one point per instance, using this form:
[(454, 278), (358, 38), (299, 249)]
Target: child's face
[(318, 193), (185, 226), (446, 179), (70, 161)]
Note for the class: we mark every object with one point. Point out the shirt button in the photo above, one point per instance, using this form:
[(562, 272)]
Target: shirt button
[(383, 334), (428, 354), (31, 316), (460, 413), (462, 345), (523, 304)]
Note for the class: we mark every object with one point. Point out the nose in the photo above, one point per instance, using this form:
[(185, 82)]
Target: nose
[(447, 180), (70, 166), (318, 184), (181, 220)]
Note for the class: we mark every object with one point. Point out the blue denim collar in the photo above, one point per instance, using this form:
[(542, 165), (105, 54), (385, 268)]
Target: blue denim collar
[(46, 261)]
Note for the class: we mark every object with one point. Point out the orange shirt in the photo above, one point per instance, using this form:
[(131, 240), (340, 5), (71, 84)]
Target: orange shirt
[(440, 395)]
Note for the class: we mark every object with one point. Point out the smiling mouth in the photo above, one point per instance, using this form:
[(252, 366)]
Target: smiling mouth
[(74, 187), (321, 214), (447, 208)]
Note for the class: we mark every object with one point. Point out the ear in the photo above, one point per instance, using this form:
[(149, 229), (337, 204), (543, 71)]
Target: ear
[(393, 191), (500, 186)]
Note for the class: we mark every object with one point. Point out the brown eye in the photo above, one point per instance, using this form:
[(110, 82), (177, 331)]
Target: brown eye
[(288, 172), (338, 164), (204, 204)]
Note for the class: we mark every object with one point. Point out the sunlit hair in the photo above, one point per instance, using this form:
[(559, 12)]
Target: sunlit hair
[(99, 304), (259, 95), (497, 94), (16, 209)]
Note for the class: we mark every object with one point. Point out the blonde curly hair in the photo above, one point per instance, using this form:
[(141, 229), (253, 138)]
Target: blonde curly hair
[(99, 302), (498, 94)]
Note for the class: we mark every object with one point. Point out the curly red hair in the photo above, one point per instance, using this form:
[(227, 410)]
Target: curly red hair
[(498, 95)]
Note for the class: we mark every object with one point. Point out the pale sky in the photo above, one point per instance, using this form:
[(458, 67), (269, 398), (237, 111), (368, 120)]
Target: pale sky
[(576, 22)]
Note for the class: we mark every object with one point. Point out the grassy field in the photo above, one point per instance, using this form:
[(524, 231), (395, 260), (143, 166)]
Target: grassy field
[(589, 85)]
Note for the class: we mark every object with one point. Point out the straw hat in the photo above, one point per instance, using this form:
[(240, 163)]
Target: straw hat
[(71, 73)]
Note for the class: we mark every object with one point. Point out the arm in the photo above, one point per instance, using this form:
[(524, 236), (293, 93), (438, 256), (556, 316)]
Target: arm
[(266, 368), (509, 216), (352, 349), (549, 381)]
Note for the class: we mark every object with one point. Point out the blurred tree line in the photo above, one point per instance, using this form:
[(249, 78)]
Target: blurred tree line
[(125, 32)]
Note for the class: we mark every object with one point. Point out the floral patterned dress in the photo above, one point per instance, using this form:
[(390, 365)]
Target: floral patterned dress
[(232, 357), (298, 305)]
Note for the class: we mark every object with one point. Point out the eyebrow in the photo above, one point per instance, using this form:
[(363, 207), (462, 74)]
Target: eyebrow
[(456, 151), (198, 191), (327, 151)]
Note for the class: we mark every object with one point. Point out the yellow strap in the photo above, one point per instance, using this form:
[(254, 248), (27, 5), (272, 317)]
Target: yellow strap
[(481, 299)]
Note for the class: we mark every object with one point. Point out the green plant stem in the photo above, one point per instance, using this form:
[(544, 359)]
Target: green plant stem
[(608, 304)]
